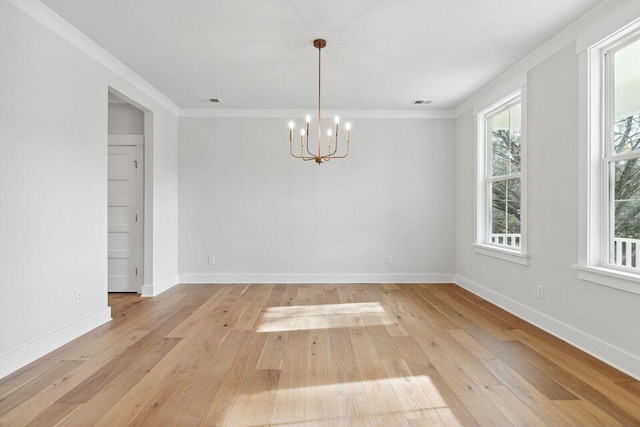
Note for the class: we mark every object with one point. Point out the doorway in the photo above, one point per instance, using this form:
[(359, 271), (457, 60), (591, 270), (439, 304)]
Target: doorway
[(125, 196)]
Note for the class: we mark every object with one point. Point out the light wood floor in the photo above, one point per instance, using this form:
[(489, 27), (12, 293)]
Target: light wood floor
[(299, 355)]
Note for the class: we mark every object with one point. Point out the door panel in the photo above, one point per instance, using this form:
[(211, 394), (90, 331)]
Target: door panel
[(125, 218)]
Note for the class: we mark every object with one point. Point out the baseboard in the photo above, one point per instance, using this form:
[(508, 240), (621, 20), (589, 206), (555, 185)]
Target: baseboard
[(22, 356), (159, 286), (609, 354), (317, 278)]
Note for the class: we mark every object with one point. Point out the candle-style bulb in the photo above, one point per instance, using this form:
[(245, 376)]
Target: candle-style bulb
[(301, 132), (347, 126), (308, 118), (291, 125), (329, 133), (337, 119)]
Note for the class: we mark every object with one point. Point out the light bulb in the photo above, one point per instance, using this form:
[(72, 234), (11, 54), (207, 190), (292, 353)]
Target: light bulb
[(308, 118), (301, 132), (291, 125), (337, 119), (347, 126), (329, 133)]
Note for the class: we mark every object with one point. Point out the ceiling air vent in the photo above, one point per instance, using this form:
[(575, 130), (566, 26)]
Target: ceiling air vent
[(422, 102), (211, 100)]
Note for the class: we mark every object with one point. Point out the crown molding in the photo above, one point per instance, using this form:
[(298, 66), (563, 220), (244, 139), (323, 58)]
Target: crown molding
[(515, 77), (587, 29), (64, 29), (351, 114)]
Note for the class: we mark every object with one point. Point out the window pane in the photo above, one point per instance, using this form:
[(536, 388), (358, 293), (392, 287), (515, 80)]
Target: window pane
[(626, 127), (626, 214), (505, 213), (513, 210), (505, 130)]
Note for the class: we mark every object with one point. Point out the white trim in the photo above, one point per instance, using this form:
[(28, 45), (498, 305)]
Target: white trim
[(595, 109), (616, 279), (609, 354), (126, 140), (482, 166), (608, 20), (516, 76), (316, 278), (585, 31), (347, 114), (25, 354), (64, 29), (159, 286), (501, 253)]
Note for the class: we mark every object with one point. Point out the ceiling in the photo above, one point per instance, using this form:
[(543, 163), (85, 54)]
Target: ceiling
[(380, 54)]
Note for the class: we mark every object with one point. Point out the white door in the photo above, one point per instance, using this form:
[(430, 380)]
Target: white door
[(125, 218)]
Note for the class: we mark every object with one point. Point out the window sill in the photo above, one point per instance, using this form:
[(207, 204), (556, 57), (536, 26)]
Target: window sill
[(616, 279), (503, 254)]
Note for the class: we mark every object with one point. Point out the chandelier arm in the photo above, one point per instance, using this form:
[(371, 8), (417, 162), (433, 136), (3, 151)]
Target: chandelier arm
[(335, 150), (345, 155), (308, 151), (302, 156)]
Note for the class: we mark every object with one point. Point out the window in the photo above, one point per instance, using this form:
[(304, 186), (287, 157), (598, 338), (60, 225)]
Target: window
[(500, 178), (611, 255), (621, 143)]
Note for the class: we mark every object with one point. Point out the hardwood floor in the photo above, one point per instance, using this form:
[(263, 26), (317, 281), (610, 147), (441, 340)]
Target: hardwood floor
[(299, 355)]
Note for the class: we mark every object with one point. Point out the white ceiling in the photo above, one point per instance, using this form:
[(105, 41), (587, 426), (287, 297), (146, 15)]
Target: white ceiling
[(380, 54)]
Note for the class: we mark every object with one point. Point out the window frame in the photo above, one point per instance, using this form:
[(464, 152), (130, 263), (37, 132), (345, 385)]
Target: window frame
[(597, 110), (609, 157), (483, 244)]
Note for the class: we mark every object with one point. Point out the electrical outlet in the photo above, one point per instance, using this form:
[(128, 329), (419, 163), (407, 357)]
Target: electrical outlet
[(78, 296), (540, 291), (212, 260), (389, 260)]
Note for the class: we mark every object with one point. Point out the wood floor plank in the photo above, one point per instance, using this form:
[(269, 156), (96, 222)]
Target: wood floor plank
[(103, 399), (585, 414), (320, 400), (378, 387), (516, 323), (510, 354), (540, 404), (476, 402), (476, 349), (492, 325), (54, 414), (289, 406), (273, 351), (414, 402), (200, 396), (514, 409), (232, 391), (23, 393), (612, 392), (448, 406), (85, 391), (317, 355)]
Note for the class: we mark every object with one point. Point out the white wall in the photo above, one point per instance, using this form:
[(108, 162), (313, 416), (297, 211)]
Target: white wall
[(53, 187), (268, 217), (125, 119), (163, 179), (598, 319)]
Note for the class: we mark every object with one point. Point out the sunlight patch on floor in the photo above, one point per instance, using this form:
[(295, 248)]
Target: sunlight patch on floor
[(412, 400), (305, 317)]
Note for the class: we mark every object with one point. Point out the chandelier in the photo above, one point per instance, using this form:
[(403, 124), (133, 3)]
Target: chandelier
[(331, 150)]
